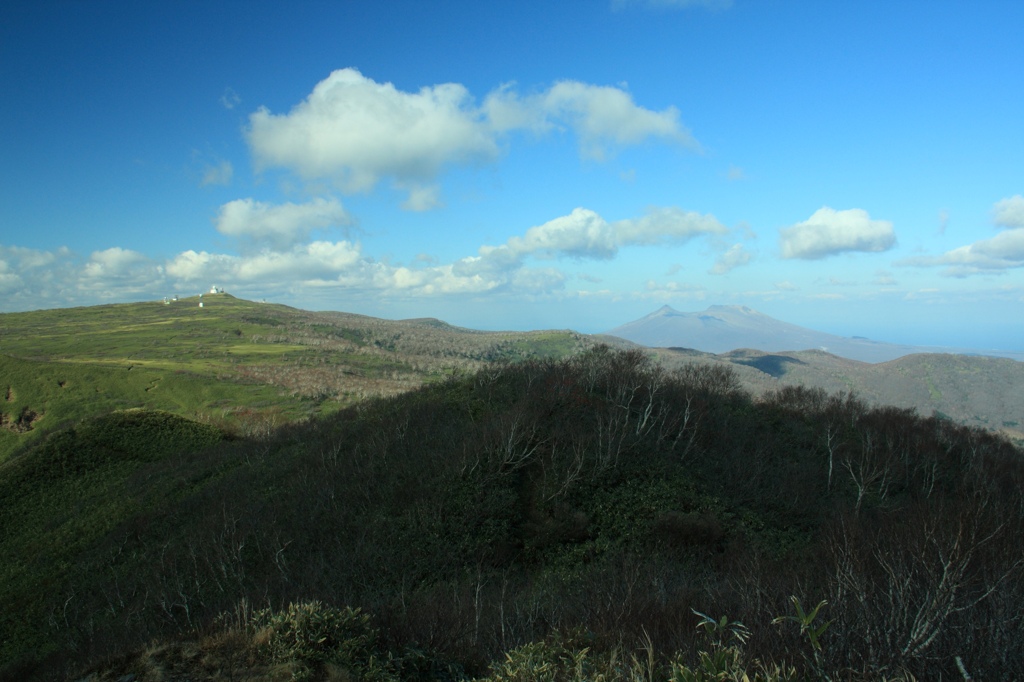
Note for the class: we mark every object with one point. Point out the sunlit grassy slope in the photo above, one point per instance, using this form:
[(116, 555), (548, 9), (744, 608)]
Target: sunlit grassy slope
[(238, 363)]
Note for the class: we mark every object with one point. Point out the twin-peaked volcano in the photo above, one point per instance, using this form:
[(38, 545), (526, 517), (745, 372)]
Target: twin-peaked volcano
[(722, 328)]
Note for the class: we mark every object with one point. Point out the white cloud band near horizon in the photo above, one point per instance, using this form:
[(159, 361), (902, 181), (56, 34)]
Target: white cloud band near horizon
[(273, 256), (276, 257)]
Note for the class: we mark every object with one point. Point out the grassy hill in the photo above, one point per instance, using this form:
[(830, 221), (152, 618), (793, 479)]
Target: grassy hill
[(240, 364)]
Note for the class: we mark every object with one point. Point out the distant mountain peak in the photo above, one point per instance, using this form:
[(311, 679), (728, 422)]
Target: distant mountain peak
[(723, 328)]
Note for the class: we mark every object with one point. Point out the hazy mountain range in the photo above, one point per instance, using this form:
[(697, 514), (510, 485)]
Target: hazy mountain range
[(724, 328)]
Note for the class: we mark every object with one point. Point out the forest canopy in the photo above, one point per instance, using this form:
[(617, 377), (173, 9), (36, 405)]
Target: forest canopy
[(593, 502)]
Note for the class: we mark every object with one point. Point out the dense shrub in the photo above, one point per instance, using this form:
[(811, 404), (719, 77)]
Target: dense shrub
[(486, 513), (309, 635)]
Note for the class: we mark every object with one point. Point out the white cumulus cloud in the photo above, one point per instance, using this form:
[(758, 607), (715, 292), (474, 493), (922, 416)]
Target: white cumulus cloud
[(19, 257), (280, 225), (583, 234), (666, 225), (313, 261), (116, 273), (606, 117), (114, 262), (32, 279), (10, 280), (354, 132), (1009, 212), (341, 265), (277, 265), (603, 117), (829, 232), (1002, 252)]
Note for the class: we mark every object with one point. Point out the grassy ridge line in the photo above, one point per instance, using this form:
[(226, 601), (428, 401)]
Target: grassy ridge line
[(61, 366), (224, 360), (135, 331), (228, 326), (155, 331)]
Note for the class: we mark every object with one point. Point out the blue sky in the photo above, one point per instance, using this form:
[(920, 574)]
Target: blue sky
[(853, 167)]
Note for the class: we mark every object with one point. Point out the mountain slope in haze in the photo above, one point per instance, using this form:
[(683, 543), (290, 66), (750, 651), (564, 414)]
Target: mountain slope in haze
[(980, 391), (723, 328)]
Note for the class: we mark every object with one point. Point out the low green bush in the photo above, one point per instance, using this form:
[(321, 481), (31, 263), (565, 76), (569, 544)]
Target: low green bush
[(309, 636)]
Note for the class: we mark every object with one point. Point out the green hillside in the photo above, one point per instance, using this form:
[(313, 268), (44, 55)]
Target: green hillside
[(536, 520), (240, 364)]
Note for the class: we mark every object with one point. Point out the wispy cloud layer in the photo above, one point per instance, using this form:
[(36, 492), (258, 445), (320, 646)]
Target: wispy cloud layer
[(218, 174), (735, 256), (829, 232), (230, 99)]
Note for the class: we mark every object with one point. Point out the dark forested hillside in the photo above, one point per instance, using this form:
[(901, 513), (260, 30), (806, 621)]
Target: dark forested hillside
[(593, 503)]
